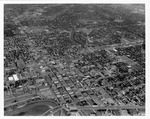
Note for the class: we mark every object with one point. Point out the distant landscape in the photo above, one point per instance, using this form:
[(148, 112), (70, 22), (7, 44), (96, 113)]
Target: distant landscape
[(74, 59)]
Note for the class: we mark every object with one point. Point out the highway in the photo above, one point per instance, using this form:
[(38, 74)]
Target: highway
[(107, 47), (111, 107), (18, 97), (18, 102), (25, 97), (32, 105), (52, 111)]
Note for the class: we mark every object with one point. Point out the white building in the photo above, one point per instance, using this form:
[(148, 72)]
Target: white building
[(15, 77)]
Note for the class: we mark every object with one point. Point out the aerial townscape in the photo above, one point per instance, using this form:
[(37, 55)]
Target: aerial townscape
[(74, 60)]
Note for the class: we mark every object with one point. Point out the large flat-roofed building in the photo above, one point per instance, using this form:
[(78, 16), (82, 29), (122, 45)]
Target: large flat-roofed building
[(15, 77)]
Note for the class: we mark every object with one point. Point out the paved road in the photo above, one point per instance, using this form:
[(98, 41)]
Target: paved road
[(107, 47), (113, 107), (30, 106), (18, 97), (9, 101), (52, 111), (11, 104)]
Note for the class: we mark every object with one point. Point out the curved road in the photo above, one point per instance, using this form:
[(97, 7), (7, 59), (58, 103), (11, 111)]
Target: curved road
[(30, 106)]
